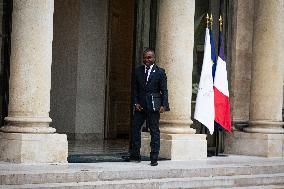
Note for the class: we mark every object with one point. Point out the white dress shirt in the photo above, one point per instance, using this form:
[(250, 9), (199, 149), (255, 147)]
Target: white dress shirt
[(148, 71)]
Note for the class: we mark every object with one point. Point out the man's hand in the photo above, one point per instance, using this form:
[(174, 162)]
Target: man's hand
[(162, 109), (138, 107)]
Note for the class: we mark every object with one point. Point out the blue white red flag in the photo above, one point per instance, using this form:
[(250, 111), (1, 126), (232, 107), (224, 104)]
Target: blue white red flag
[(221, 91)]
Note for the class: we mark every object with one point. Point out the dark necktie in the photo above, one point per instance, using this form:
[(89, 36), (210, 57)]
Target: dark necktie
[(146, 73)]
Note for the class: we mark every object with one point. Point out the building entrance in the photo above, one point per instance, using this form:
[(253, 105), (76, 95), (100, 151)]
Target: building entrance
[(91, 69), (119, 68)]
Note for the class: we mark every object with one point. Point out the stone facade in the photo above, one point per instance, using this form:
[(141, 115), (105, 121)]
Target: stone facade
[(80, 52)]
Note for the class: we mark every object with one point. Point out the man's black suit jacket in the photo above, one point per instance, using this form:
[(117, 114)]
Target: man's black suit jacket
[(156, 86)]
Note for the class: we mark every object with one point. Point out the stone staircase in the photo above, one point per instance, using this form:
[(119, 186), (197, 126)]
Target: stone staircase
[(217, 172)]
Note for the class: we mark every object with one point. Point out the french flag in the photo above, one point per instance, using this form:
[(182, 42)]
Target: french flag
[(221, 91)]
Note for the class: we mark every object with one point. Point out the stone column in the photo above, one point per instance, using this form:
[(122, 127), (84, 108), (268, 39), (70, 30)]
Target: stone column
[(27, 124), (175, 40), (264, 136), (174, 49), (241, 53), (267, 68)]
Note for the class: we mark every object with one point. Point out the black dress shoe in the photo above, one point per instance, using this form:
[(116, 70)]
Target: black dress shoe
[(131, 158), (154, 163)]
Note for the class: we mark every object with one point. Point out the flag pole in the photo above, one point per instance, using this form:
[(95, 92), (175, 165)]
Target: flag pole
[(220, 31), (207, 26), (207, 20), (217, 134), (204, 107), (211, 21), (221, 22)]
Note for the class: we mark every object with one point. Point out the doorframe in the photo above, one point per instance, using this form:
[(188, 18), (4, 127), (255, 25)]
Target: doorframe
[(5, 53), (107, 83), (135, 41)]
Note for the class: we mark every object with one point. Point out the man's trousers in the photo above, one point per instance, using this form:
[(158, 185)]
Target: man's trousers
[(153, 122)]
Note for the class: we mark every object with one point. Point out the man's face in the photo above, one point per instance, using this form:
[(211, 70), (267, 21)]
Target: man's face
[(148, 58)]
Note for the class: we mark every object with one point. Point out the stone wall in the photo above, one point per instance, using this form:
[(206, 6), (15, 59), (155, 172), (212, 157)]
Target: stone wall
[(64, 65), (91, 69), (78, 69)]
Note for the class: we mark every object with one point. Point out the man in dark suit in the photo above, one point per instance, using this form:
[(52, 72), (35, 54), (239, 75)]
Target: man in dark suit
[(150, 99)]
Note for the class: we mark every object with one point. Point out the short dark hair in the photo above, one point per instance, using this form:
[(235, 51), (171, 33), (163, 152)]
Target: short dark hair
[(149, 50)]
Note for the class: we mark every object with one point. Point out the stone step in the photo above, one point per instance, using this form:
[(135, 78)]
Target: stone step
[(230, 170), (133, 172), (254, 187), (235, 181)]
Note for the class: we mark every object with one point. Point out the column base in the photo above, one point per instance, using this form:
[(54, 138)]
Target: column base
[(27, 125), (176, 127), (263, 126), (276, 130), (33, 148), (177, 130), (240, 124), (255, 144), (177, 146)]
